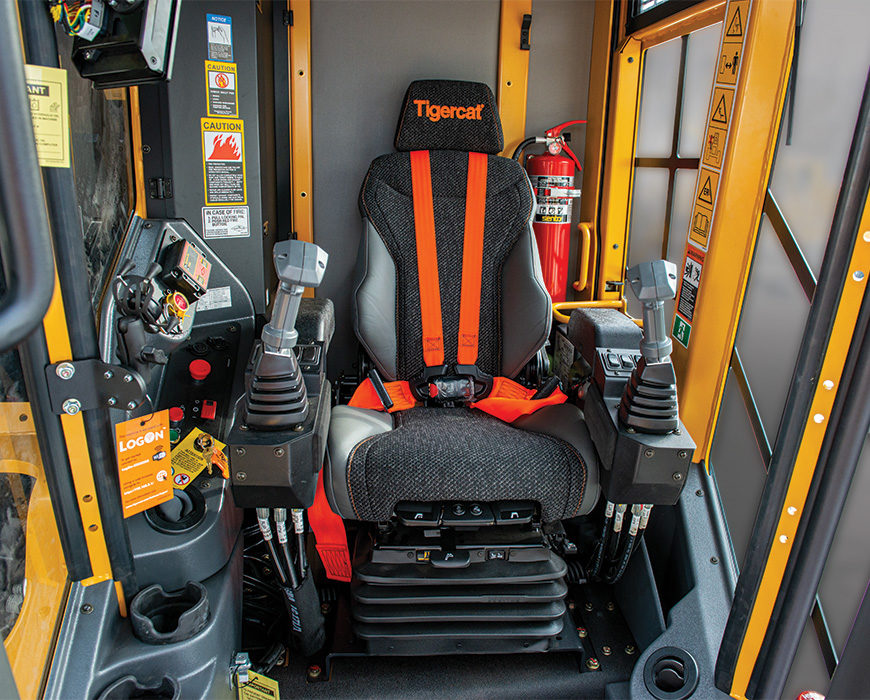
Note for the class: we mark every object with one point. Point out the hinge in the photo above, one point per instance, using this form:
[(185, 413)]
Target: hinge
[(82, 385), (160, 188), (524, 33), (287, 18)]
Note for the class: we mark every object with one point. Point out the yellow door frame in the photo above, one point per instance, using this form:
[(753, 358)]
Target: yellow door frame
[(513, 73)]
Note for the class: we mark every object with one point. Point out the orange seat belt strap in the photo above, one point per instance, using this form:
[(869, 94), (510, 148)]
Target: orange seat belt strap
[(366, 396), (427, 259), (509, 400), (472, 259), (329, 535)]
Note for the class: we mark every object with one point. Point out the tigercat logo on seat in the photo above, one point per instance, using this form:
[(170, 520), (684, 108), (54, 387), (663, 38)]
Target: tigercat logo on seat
[(436, 112)]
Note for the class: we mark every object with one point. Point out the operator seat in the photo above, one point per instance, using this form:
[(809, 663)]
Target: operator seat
[(434, 453)]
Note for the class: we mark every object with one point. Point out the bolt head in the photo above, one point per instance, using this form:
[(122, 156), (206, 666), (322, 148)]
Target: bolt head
[(592, 664), (581, 632), (65, 370), (128, 378), (606, 651), (649, 453), (677, 476), (279, 451), (314, 672), (630, 649), (240, 451), (714, 560), (111, 401), (610, 606), (108, 374), (72, 406), (588, 607), (683, 454), (241, 476), (131, 405), (87, 609)]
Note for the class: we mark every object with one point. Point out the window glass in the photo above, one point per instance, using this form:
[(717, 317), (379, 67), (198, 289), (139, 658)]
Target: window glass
[(701, 58), (661, 67), (102, 167)]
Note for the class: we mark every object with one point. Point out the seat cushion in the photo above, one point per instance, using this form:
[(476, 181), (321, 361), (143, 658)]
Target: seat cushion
[(443, 454)]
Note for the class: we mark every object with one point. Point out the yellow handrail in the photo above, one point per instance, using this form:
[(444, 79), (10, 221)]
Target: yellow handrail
[(597, 304), (585, 250)]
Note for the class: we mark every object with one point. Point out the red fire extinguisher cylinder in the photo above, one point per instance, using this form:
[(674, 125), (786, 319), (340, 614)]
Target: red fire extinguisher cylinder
[(552, 222)]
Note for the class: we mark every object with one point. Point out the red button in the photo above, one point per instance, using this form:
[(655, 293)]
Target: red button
[(199, 369), (176, 414), (208, 410)]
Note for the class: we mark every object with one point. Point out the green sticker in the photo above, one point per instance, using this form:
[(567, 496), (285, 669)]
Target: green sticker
[(682, 330)]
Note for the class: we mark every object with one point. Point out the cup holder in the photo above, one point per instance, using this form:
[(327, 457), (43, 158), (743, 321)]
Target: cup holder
[(159, 617), (670, 673), (129, 688), (183, 512)]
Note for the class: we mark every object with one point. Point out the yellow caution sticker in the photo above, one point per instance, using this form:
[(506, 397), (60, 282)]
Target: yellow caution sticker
[(735, 20), (702, 213), (221, 86), (192, 455), (223, 161), (259, 687), (142, 451), (49, 109), (729, 63)]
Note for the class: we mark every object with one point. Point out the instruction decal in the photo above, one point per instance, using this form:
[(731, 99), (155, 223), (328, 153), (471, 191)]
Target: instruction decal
[(142, 451), (215, 298), (259, 687), (223, 161), (225, 222), (702, 213), (222, 98), (220, 37), (49, 110), (196, 452), (688, 296)]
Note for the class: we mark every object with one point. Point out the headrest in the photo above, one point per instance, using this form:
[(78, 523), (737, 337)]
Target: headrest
[(449, 115)]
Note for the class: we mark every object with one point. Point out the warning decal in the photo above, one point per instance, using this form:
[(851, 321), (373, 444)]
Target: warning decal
[(215, 298), (702, 214), (219, 30), (193, 454), (225, 222), (223, 161), (222, 96), (717, 127), (142, 451), (735, 19), (729, 64), (49, 110), (692, 268), (259, 687)]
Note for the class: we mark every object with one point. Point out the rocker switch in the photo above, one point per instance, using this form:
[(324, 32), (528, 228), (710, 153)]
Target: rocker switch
[(450, 560), (418, 514)]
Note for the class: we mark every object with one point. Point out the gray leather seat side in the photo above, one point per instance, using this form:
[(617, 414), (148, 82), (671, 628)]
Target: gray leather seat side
[(526, 309), (348, 427), (566, 422), (374, 302)]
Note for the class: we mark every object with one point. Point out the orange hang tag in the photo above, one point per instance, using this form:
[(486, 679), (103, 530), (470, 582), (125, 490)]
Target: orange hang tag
[(219, 459), (142, 452)]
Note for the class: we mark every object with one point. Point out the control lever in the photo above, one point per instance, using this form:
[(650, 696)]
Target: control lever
[(649, 402), (276, 397)]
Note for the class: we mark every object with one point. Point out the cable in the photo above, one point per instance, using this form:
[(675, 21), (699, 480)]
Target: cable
[(519, 149)]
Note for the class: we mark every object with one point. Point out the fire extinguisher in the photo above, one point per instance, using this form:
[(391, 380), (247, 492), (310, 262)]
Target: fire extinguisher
[(552, 177)]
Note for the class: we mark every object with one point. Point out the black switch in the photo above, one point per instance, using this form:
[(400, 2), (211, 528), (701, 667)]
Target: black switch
[(419, 514), (612, 360), (627, 362), (514, 512), (450, 560), (467, 514)]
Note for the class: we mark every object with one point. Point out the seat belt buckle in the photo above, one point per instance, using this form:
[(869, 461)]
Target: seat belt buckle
[(465, 384)]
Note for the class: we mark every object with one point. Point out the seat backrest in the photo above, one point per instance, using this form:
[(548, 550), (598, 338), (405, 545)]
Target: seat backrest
[(449, 119)]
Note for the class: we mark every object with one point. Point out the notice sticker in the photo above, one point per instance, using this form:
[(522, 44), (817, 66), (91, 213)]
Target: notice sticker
[(192, 455), (691, 282), (222, 97), (215, 298), (142, 451), (49, 110), (223, 161), (225, 222), (220, 37), (682, 331), (552, 210)]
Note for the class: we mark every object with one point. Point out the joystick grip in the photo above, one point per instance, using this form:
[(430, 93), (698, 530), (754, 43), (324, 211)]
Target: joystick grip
[(653, 283)]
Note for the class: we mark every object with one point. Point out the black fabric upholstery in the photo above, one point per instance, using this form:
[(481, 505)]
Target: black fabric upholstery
[(387, 201), (427, 122), (436, 454)]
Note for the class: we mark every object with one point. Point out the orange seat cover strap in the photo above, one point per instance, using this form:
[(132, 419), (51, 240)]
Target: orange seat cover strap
[(329, 535), (472, 259), (427, 259)]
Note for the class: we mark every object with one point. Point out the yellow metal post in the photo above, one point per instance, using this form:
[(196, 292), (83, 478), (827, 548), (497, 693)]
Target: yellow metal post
[(749, 88), (513, 73), (300, 119)]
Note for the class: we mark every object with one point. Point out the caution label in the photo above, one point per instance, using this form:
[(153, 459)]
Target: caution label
[(142, 451), (225, 222), (219, 29), (49, 110), (702, 213), (223, 161), (193, 454), (215, 298), (735, 20), (259, 687), (222, 98), (552, 210), (688, 296), (729, 63)]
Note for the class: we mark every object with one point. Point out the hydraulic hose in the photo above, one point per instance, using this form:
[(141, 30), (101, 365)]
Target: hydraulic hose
[(299, 528), (518, 151), (603, 540), (281, 528), (266, 531)]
